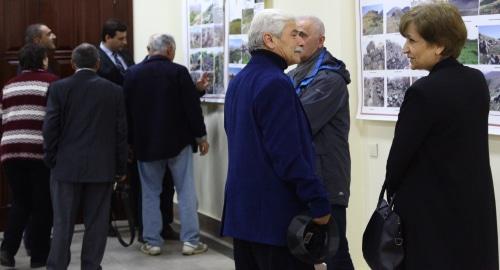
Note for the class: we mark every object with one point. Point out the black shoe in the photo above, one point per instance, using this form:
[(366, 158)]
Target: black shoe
[(6, 259), (168, 233), (38, 264)]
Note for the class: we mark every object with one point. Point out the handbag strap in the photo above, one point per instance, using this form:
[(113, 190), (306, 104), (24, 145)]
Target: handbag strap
[(125, 200), (390, 200)]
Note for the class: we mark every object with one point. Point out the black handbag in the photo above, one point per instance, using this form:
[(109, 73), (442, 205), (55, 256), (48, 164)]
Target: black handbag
[(382, 239)]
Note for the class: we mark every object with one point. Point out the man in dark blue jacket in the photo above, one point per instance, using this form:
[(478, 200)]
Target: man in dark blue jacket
[(271, 159), (166, 125), (321, 81)]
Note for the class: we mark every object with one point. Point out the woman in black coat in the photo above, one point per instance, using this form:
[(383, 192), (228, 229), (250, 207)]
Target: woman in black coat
[(438, 167)]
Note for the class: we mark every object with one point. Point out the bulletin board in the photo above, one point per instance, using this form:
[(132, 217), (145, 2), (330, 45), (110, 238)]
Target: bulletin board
[(385, 72)]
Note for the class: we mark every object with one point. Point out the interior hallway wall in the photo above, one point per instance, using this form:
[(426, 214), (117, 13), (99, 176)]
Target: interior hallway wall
[(339, 16)]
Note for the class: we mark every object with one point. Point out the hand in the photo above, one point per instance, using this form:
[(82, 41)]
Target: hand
[(202, 82), (322, 220), (203, 147)]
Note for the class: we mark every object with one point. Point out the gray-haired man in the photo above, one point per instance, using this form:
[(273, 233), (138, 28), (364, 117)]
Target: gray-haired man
[(320, 81)]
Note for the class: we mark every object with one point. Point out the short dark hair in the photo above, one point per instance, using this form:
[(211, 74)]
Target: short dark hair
[(440, 24), (111, 26), (85, 55), (32, 31), (31, 56)]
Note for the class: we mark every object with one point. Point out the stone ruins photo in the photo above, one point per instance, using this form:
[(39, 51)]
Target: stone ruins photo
[(373, 95), (373, 57), (396, 89), (396, 59)]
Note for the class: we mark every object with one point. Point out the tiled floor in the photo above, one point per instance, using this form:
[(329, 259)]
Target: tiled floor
[(117, 257)]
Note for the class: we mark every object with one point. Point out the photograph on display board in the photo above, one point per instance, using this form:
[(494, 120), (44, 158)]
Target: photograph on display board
[(235, 53), (207, 61), (218, 12), (208, 13), (373, 20), (396, 89), (210, 88), (207, 37), (195, 14), (218, 36), (466, 7), (469, 54), (489, 44), (195, 38), (395, 9), (195, 61), (246, 20), (219, 73), (395, 58), (374, 92), (235, 13), (488, 7), (420, 2), (493, 80), (232, 71), (245, 53), (373, 55)]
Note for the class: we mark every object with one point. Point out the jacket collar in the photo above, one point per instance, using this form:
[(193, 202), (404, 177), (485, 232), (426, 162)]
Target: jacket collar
[(268, 57), (157, 57), (445, 63)]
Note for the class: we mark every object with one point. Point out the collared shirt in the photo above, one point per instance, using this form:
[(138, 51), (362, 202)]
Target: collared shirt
[(109, 53), (80, 69)]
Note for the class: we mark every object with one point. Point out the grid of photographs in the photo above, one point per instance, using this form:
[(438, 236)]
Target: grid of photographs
[(217, 32), (385, 70), (241, 13), (206, 43)]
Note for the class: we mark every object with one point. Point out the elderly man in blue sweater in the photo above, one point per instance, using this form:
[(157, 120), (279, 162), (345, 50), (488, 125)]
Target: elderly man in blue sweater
[(271, 159)]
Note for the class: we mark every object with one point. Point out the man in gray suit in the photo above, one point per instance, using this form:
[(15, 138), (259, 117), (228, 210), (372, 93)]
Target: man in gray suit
[(85, 144)]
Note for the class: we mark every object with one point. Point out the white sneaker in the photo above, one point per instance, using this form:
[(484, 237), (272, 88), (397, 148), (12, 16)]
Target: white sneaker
[(150, 250), (190, 249)]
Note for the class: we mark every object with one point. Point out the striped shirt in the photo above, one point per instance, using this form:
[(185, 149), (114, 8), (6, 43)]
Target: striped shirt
[(23, 102)]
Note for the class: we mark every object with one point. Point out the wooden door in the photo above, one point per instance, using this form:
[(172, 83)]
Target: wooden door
[(73, 22)]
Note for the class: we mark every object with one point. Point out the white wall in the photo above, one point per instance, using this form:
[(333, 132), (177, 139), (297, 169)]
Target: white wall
[(367, 172)]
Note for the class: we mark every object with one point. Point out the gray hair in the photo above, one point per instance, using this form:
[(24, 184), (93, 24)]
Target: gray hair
[(317, 23), (271, 21), (85, 55), (158, 43), (33, 31)]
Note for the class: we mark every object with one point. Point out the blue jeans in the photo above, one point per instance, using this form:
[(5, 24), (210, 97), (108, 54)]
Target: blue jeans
[(151, 174)]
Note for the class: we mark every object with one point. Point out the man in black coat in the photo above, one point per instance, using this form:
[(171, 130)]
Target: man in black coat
[(166, 123), (85, 145), (115, 61)]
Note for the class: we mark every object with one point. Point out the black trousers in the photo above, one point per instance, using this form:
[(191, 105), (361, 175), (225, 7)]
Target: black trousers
[(95, 199), (29, 183), (166, 197), (342, 259), (256, 256)]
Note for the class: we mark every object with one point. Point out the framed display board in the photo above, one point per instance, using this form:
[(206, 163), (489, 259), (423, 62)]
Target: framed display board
[(385, 72)]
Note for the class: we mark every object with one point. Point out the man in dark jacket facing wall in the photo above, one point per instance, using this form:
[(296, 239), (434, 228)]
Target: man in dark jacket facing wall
[(321, 81)]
